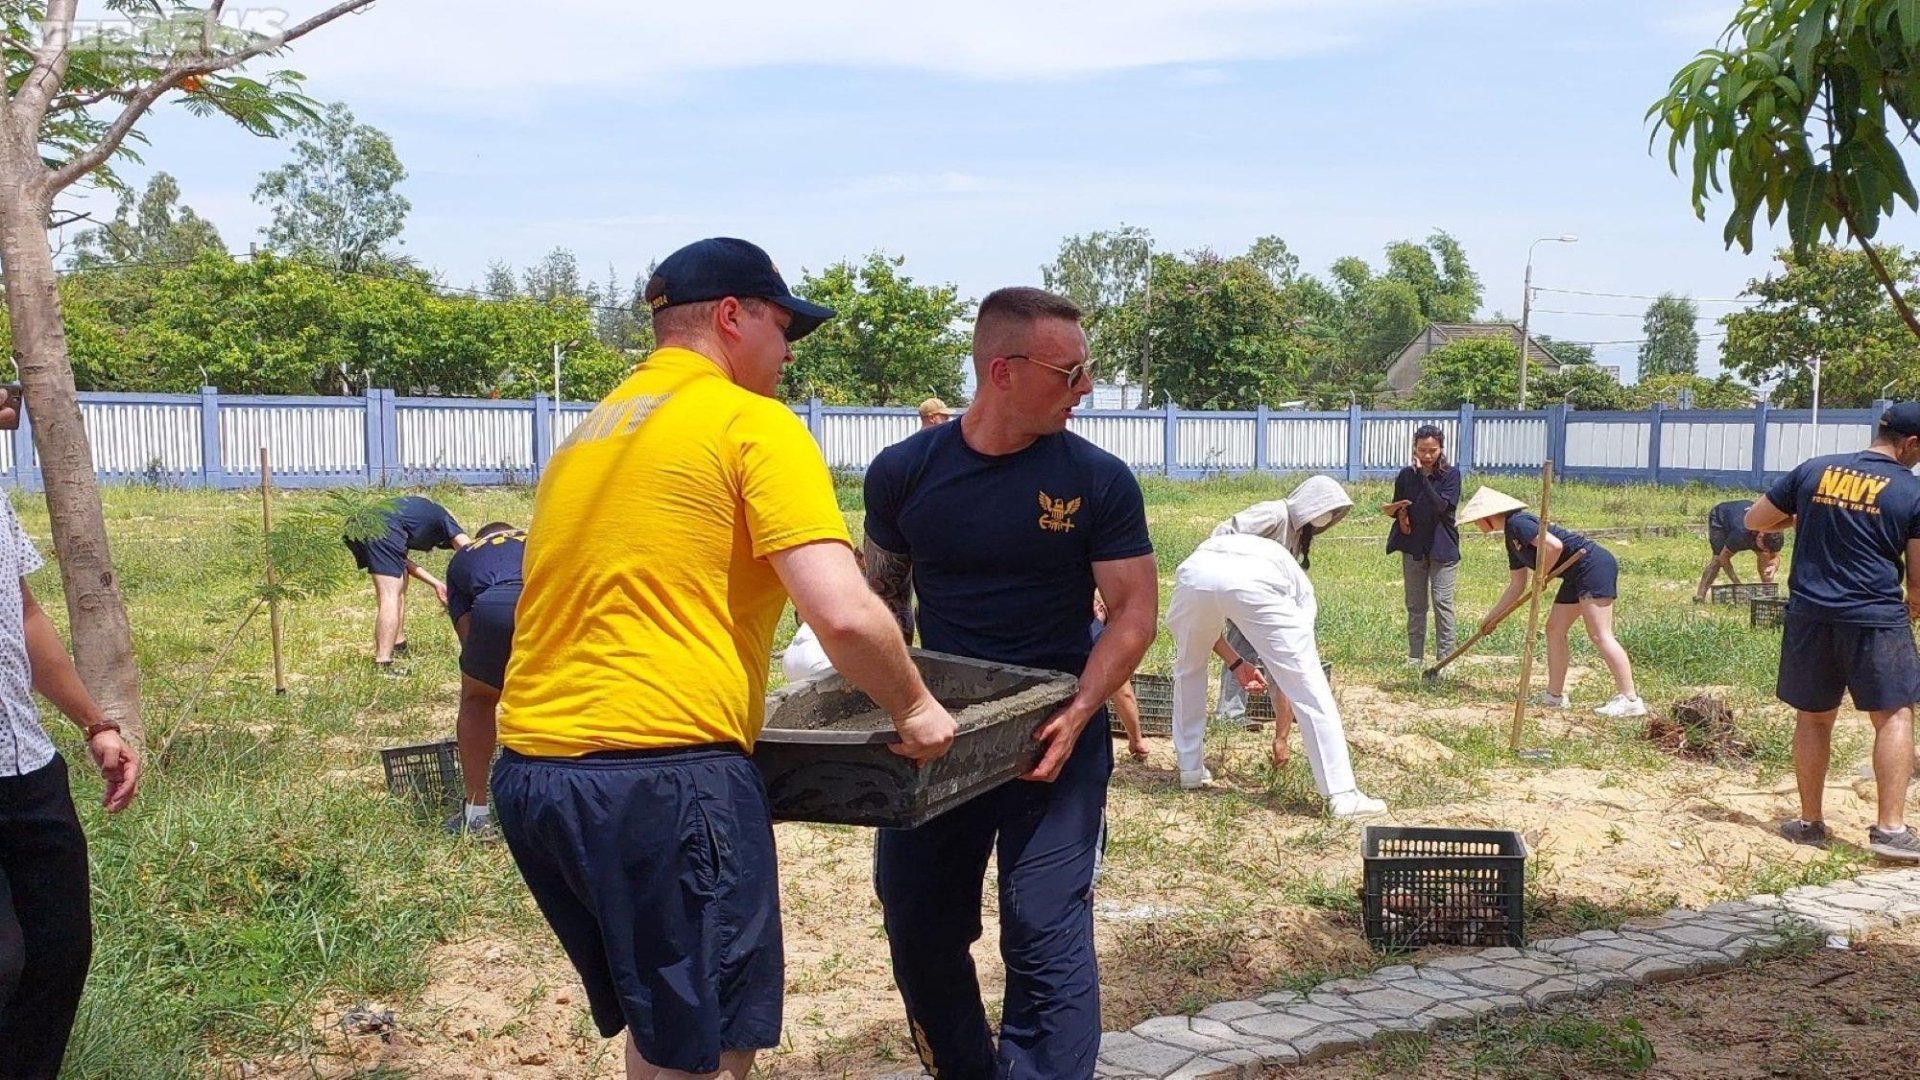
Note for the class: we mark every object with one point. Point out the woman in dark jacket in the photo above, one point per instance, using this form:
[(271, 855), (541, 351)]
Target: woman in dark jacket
[(1425, 496)]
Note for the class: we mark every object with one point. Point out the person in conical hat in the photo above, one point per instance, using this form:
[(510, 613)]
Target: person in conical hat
[(1587, 591), (1251, 572)]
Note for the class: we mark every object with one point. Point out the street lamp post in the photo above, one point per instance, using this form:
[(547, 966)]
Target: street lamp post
[(1526, 305)]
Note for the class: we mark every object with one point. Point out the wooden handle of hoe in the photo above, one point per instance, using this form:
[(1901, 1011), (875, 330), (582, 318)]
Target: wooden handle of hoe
[(1493, 621)]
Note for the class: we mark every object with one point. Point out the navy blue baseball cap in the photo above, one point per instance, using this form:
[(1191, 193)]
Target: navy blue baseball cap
[(720, 267), (1902, 418)]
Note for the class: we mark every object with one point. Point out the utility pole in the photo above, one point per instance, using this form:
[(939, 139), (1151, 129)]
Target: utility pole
[(1526, 305)]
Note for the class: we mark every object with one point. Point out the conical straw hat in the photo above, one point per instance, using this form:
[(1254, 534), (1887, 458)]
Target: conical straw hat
[(1485, 503)]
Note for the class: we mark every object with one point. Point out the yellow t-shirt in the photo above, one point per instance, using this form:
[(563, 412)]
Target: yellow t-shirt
[(648, 612)]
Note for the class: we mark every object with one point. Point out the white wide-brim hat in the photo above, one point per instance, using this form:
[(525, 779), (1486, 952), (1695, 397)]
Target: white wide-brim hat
[(1485, 503)]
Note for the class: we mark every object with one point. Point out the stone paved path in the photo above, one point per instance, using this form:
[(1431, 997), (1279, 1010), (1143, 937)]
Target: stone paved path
[(1239, 1039)]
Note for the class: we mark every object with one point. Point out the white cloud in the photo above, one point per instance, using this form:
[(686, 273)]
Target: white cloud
[(489, 55)]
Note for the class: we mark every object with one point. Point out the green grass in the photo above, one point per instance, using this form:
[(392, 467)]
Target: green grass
[(264, 873)]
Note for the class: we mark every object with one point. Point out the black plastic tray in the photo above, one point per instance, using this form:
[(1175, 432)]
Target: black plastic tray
[(853, 777), (1424, 886)]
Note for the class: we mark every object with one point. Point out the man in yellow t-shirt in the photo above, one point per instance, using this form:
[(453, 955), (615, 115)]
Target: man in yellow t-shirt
[(668, 532)]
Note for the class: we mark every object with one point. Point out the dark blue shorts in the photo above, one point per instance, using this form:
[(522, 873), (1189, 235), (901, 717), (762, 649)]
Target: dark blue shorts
[(1595, 577), (1878, 665), (383, 555), (656, 870), (489, 642)]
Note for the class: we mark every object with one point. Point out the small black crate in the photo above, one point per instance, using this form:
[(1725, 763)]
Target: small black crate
[(427, 775), (1433, 886), (1766, 611), (1744, 591), (1260, 705), (1155, 694)]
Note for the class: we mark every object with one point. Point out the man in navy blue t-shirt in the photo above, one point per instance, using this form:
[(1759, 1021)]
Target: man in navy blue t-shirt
[(414, 523), (1003, 523), (1857, 536), (483, 585)]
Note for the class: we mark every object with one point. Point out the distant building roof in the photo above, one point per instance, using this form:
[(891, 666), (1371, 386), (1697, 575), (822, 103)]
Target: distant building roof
[(1403, 374)]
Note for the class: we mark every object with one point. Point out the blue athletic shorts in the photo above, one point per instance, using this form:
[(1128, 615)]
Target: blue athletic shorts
[(1595, 577), (656, 870), (489, 641), (1878, 665), (383, 555)]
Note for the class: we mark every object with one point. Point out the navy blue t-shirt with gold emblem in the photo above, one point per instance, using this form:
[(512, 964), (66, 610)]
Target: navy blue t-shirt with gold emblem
[(1003, 546), (1854, 514), (487, 570)]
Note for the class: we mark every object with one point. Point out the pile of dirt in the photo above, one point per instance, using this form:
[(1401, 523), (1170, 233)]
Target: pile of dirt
[(1700, 728)]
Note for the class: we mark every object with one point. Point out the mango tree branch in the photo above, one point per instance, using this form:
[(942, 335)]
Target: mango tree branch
[(137, 107)]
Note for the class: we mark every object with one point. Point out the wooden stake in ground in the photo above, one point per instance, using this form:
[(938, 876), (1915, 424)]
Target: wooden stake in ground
[(273, 592), (1540, 568)]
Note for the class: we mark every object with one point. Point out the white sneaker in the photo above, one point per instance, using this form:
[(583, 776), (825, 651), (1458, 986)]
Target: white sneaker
[(1622, 705), (1548, 700), (1353, 804), (1195, 781), (1416, 661)]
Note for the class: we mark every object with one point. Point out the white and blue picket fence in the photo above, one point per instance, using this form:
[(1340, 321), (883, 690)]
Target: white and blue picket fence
[(213, 440)]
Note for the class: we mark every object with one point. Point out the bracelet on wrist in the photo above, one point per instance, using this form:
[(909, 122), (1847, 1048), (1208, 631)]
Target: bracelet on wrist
[(1237, 662), (101, 727)]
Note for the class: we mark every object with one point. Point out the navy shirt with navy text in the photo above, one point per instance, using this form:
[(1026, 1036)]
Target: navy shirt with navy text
[(1003, 546), (1854, 514)]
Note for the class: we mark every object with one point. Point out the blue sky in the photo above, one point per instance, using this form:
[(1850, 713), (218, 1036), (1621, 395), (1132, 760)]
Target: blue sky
[(972, 138)]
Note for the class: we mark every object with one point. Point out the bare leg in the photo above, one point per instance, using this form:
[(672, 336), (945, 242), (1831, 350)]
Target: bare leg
[(1892, 763), (1706, 578), (1127, 704), (734, 1065), (476, 733), (389, 598), (1599, 618), (1559, 621), (1812, 748)]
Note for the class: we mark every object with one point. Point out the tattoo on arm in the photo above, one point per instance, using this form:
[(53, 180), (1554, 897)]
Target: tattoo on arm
[(891, 576)]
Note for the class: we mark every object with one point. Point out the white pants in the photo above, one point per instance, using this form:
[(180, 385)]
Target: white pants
[(804, 658), (1277, 618)]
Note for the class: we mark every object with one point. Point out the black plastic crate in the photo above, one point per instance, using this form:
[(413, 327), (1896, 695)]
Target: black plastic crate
[(427, 775), (1260, 705), (1433, 886), (1744, 591), (825, 752), (1155, 694), (1766, 611)]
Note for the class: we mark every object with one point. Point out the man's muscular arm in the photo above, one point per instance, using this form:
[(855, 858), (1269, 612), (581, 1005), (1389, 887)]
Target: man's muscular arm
[(891, 576)]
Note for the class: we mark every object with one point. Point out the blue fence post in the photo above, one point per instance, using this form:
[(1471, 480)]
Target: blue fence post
[(25, 476), (212, 469), (813, 418), (1260, 415), (1557, 438), (1355, 446), (1463, 446), (1656, 421), (1760, 411), (391, 469), (543, 416), (1170, 438), (376, 438)]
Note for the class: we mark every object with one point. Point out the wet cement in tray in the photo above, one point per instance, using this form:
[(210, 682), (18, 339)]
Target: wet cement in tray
[(795, 717)]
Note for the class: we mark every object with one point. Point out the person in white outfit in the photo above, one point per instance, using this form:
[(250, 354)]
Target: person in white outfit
[(1252, 571)]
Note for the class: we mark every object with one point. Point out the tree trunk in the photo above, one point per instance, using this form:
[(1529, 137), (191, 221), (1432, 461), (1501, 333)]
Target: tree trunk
[(102, 639)]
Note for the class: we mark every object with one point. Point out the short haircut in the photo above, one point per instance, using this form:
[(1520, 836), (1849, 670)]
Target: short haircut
[(1006, 312), (1430, 431), (491, 528), (683, 321)]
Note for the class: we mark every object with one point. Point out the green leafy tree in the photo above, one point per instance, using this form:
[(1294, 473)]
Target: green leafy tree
[(151, 228), (71, 105), (1827, 303), (1566, 352), (1672, 342), (1798, 108), (1223, 334), (1724, 392), (1105, 273), (893, 342), (1582, 386), (1438, 272), (335, 201), (1484, 371), (555, 277)]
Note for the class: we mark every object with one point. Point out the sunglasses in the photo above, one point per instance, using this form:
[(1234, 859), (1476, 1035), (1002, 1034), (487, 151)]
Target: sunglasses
[(1074, 374)]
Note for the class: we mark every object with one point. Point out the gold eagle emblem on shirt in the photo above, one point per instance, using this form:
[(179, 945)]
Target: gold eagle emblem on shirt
[(1057, 514)]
